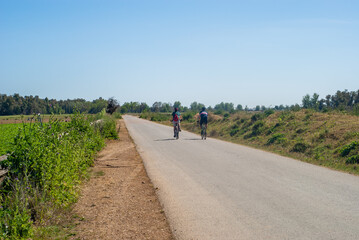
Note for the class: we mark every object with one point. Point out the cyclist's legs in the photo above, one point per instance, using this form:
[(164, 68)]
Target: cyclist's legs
[(174, 127)]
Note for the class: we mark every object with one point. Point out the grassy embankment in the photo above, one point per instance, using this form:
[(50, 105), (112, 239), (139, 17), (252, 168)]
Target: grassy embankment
[(46, 163), (327, 139)]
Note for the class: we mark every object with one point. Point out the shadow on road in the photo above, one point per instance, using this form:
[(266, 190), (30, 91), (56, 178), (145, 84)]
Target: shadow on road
[(192, 139), (166, 139)]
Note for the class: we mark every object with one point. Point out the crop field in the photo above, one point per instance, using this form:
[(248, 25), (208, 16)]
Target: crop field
[(7, 134), (28, 118)]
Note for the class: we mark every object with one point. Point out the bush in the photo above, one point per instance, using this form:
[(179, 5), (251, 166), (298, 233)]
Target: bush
[(268, 112), (226, 116), (189, 116), (277, 137), (256, 117), (107, 127), (344, 151), (47, 164), (352, 160), (300, 147), (351, 151), (258, 128), (233, 132)]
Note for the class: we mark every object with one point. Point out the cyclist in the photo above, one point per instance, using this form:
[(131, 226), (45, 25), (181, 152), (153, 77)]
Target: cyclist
[(203, 117), (176, 118)]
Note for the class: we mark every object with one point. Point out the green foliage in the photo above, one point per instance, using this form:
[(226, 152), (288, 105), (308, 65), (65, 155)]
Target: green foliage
[(17, 105), (351, 151), (226, 116), (156, 117), (352, 159), (268, 112), (277, 137), (257, 117), (347, 149), (7, 134), (188, 116), (106, 127), (45, 168), (228, 107), (300, 147)]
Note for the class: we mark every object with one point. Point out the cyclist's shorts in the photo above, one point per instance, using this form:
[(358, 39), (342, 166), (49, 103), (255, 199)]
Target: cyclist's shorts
[(203, 120), (175, 123)]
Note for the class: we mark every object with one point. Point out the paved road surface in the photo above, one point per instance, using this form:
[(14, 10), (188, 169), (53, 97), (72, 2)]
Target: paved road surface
[(217, 190)]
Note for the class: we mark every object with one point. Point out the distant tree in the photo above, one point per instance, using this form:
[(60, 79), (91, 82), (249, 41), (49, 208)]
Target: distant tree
[(112, 105), (239, 107), (314, 101), (196, 106), (166, 107), (257, 108), (156, 106), (178, 105), (306, 101), (228, 107)]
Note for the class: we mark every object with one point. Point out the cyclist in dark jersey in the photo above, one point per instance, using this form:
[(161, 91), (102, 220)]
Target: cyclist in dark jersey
[(203, 117)]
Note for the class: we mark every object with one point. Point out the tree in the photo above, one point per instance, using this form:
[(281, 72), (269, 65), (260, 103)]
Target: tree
[(306, 101), (178, 105), (239, 107), (112, 105)]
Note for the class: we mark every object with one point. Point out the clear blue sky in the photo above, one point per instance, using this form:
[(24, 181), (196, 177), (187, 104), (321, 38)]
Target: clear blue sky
[(254, 52)]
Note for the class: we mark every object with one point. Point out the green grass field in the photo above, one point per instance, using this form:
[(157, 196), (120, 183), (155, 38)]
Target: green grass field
[(7, 134), (27, 118)]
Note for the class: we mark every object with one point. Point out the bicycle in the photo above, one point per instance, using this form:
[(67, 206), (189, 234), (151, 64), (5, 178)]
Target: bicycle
[(176, 131), (204, 132)]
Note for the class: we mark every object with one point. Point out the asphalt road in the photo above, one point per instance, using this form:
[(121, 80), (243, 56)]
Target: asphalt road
[(217, 190)]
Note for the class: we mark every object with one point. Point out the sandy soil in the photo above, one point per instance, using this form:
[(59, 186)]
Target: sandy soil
[(119, 201)]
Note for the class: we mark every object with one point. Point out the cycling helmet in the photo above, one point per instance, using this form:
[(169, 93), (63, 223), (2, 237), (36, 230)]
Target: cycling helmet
[(203, 109)]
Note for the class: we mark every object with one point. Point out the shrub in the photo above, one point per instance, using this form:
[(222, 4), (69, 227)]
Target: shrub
[(258, 128), (351, 151), (107, 127), (353, 159), (47, 164), (268, 112), (226, 116), (277, 137), (233, 132), (300, 147), (300, 130), (256, 117), (345, 150), (189, 116)]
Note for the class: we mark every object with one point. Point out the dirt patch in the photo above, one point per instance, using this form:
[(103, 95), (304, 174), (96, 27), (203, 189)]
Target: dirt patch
[(119, 201)]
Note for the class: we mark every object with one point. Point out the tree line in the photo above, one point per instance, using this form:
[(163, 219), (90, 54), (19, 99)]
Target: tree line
[(341, 100), (16, 104)]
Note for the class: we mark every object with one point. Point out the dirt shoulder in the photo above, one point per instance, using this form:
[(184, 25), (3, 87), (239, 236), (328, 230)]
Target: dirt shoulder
[(119, 201)]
